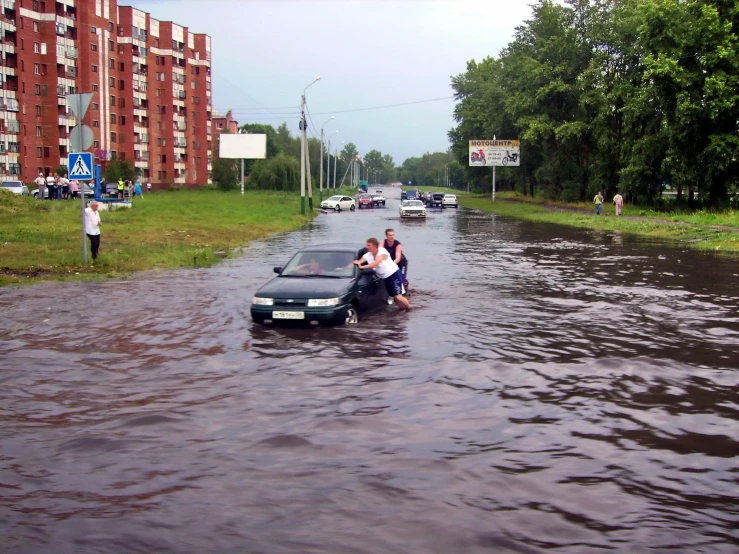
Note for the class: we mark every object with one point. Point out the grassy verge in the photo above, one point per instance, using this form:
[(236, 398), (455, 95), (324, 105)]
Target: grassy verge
[(694, 233), (184, 228), (445, 190)]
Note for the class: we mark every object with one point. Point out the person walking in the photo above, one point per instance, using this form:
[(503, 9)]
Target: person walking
[(41, 185), (598, 201), (618, 201), (137, 189), (379, 259), (395, 249), (92, 228), (121, 188), (74, 187)]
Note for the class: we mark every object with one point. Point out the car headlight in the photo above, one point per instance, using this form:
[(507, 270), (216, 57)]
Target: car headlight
[(318, 302), (258, 300)]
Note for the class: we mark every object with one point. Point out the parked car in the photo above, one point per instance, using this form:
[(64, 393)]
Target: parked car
[(378, 200), (365, 201), (449, 200), (320, 286), (437, 200), (338, 203), (412, 208), (18, 187), (378, 191)]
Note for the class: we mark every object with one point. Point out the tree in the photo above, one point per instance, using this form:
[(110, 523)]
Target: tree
[(61, 171), (116, 170)]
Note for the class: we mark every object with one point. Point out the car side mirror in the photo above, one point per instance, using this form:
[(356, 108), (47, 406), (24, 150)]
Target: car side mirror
[(277, 269)]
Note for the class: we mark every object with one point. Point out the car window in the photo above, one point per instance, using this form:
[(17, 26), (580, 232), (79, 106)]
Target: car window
[(328, 264), (11, 184), (335, 198), (346, 198), (412, 203)]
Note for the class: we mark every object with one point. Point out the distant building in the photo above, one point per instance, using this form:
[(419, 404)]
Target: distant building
[(224, 124), (151, 85)]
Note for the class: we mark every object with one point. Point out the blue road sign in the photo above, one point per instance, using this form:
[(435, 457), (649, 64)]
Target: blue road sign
[(80, 166)]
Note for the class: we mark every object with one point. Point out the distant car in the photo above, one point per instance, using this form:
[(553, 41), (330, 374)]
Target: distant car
[(378, 200), (403, 195), (17, 187), (320, 286), (437, 200), (86, 190), (449, 200), (412, 208), (365, 201), (378, 191), (339, 203)]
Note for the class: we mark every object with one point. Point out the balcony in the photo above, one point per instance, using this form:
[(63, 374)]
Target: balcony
[(13, 127), (71, 52)]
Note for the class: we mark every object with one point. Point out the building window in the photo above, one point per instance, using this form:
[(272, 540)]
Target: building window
[(95, 106), (122, 84), (94, 47), (112, 101), (96, 144), (94, 88), (38, 131), (112, 137), (94, 30), (96, 124), (37, 89), (110, 26), (36, 48), (111, 82), (39, 152), (112, 118), (121, 66), (111, 45), (111, 63), (94, 69), (35, 26), (121, 102)]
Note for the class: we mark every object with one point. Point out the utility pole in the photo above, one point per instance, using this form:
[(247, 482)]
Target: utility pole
[(320, 178), (304, 161), (336, 160)]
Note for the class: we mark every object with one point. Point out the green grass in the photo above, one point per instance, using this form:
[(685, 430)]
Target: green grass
[(696, 233), (445, 190), (183, 228)]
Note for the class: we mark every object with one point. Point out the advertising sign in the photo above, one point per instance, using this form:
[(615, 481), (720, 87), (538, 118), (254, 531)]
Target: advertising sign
[(495, 153)]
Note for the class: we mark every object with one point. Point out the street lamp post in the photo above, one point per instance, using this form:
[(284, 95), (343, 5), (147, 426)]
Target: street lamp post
[(320, 181), (304, 160)]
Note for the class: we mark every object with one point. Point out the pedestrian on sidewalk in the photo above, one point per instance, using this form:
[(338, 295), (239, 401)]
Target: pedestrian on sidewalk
[(598, 201), (618, 201), (92, 228)]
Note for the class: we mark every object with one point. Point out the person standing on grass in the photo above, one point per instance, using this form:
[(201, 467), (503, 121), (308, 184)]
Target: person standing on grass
[(41, 185), (395, 249), (74, 187), (121, 187), (379, 259), (618, 201), (137, 189), (51, 185), (64, 186), (598, 201), (92, 228)]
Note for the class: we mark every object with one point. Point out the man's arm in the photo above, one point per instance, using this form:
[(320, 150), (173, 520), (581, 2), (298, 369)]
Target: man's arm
[(399, 254), (374, 264)]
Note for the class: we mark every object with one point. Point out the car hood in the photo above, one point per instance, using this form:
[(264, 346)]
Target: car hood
[(306, 287)]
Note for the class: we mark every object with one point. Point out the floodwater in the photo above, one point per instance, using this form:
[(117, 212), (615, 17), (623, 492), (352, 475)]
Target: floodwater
[(552, 390)]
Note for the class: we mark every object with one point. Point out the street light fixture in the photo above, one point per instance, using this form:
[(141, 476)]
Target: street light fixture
[(304, 158)]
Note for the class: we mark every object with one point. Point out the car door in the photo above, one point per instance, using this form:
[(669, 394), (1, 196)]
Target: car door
[(367, 291), (346, 203)]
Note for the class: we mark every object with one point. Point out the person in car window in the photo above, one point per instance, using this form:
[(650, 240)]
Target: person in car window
[(379, 259), (395, 249), (311, 268)]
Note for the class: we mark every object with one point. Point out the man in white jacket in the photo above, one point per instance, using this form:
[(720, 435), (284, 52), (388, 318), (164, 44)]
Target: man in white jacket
[(92, 227)]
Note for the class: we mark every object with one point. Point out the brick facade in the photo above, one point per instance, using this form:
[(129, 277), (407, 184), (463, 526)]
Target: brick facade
[(151, 85)]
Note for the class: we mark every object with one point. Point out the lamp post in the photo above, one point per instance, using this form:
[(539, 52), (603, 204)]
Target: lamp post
[(320, 179), (304, 159)]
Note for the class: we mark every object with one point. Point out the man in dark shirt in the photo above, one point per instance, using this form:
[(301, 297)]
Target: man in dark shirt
[(396, 253)]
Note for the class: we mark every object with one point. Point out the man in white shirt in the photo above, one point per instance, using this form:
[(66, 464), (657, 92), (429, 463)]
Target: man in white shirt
[(92, 227), (51, 184), (379, 259), (41, 185)]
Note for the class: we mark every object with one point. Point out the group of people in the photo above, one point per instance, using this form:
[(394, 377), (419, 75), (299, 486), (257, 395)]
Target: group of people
[(618, 201), (390, 264), (56, 187)]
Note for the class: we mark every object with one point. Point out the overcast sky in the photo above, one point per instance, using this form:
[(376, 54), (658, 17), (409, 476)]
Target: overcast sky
[(368, 53)]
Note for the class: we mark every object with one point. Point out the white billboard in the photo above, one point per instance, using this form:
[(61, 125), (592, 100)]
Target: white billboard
[(495, 153), (245, 147)]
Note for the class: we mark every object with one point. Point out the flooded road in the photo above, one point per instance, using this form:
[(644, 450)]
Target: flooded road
[(553, 390)]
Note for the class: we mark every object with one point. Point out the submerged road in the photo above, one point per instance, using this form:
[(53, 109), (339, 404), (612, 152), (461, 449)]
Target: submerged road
[(553, 390)]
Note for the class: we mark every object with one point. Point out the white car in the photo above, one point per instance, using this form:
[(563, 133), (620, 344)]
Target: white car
[(412, 208), (378, 199), (17, 187), (449, 200), (339, 203)]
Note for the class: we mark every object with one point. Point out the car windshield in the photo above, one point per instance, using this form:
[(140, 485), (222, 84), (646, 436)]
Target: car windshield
[(365, 197), (376, 196), (11, 184), (335, 198), (320, 264), (450, 196), (412, 203)]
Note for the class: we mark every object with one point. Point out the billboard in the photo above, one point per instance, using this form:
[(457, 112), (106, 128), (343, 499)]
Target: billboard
[(249, 147), (495, 153)]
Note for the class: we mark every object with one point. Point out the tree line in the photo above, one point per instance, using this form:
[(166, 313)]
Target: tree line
[(639, 96)]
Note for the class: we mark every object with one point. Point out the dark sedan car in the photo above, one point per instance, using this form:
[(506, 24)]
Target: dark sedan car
[(320, 286)]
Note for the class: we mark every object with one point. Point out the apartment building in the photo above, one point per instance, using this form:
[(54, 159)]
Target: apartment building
[(150, 79)]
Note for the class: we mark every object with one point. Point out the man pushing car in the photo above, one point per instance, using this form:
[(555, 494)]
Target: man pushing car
[(379, 259)]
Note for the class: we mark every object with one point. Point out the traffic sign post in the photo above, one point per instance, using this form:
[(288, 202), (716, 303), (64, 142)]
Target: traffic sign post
[(80, 164)]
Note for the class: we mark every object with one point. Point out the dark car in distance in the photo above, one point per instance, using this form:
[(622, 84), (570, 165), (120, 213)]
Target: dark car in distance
[(319, 286), (436, 200)]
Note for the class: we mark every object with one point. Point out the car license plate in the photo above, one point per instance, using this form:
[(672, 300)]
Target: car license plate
[(288, 315)]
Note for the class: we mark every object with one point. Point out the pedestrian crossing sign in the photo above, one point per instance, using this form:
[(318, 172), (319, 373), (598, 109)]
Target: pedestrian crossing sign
[(80, 166)]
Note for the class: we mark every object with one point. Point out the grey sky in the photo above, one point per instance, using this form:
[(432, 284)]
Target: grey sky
[(368, 53)]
